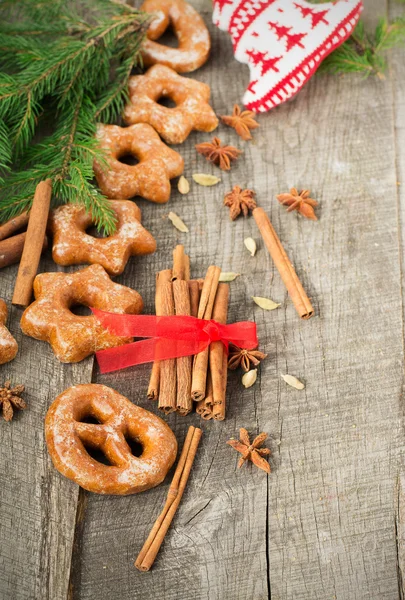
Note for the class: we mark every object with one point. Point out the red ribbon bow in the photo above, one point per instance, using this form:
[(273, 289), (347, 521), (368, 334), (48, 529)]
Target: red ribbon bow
[(169, 337)]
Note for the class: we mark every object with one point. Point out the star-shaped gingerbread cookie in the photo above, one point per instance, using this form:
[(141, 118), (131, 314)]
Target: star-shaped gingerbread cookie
[(72, 245), (192, 110), (8, 345), (150, 178), (73, 337)]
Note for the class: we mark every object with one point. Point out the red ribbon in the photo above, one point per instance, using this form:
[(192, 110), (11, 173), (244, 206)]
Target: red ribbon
[(169, 337)]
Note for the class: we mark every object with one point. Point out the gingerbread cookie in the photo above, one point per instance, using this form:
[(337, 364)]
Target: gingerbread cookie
[(117, 422), (192, 34), (150, 178), (192, 110), (72, 245), (8, 345), (73, 337)]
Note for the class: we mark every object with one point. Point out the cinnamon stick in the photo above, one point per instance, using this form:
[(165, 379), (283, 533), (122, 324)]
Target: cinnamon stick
[(34, 240), (183, 363), (171, 496), (208, 292), (200, 406), (187, 267), (207, 415), (168, 372), (204, 407), (283, 265), (207, 299), (194, 297), (218, 410), (181, 264), (153, 388), (155, 539), (13, 225), (11, 249), (161, 278), (217, 349)]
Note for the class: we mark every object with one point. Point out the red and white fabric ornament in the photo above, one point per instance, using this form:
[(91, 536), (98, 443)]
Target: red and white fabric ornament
[(283, 42)]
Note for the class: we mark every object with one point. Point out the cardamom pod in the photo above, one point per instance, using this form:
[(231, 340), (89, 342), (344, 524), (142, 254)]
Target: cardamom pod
[(250, 245), (183, 185), (177, 222), (226, 277), (205, 179), (265, 303), (249, 378), (293, 382)]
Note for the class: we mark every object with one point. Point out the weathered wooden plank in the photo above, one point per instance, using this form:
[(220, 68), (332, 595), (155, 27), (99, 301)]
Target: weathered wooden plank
[(332, 498), (38, 507), (397, 72)]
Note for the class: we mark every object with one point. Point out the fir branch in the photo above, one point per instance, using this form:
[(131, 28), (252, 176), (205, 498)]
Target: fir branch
[(363, 53), (5, 150), (70, 168), (388, 36), (112, 101), (58, 66), (67, 68)]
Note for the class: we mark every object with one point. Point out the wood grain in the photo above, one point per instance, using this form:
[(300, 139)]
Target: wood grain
[(332, 507), (397, 72), (328, 523), (38, 506)]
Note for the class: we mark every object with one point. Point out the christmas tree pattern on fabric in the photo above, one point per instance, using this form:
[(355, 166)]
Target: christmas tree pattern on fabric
[(283, 42)]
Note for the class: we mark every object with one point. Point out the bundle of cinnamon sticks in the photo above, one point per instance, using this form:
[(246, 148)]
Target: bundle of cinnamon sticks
[(179, 384)]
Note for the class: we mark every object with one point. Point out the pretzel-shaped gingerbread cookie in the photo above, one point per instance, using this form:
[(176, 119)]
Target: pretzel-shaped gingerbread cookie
[(115, 421), (150, 178), (72, 245), (73, 337), (8, 345), (192, 110), (190, 29)]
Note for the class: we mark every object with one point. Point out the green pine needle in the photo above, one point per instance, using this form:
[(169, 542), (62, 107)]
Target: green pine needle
[(57, 58), (5, 150), (363, 53)]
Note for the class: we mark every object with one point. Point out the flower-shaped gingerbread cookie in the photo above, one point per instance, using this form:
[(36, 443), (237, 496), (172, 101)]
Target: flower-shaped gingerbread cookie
[(150, 178), (192, 110), (73, 337), (192, 34), (72, 245), (8, 345)]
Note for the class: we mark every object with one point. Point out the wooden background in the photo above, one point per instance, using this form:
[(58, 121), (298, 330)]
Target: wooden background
[(328, 523)]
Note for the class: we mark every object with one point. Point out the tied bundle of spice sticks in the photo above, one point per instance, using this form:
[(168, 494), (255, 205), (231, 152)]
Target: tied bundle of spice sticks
[(180, 383)]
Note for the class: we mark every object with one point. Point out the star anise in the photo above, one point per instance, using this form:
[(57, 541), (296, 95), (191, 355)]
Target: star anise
[(10, 399), (239, 201), (251, 451), (240, 357), (217, 154), (300, 202), (241, 121)]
